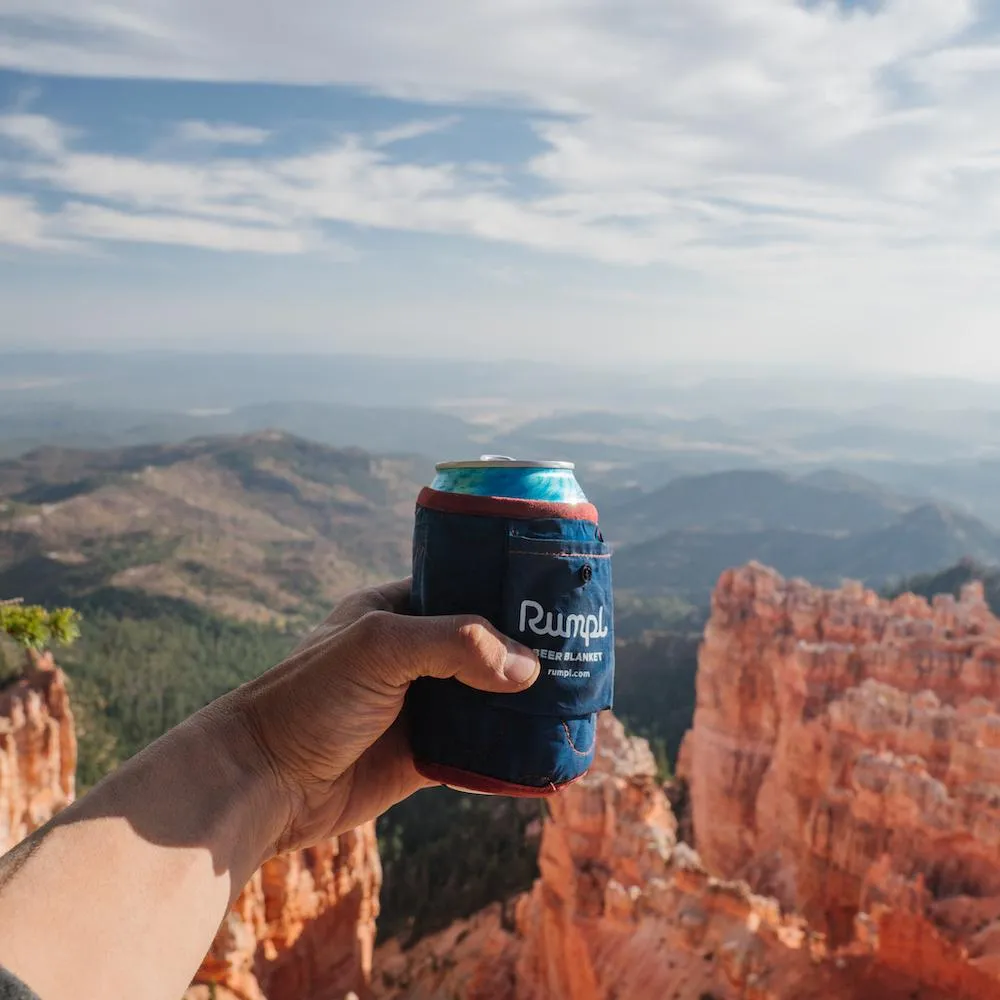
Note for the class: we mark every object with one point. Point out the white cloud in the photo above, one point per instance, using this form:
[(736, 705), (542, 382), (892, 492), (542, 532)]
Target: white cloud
[(413, 130), (221, 133), (273, 199), (222, 205), (23, 225), (34, 132), (98, 223)]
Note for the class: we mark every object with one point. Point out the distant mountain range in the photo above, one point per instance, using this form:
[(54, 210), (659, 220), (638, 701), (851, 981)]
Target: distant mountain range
[(257, 527), (389, 429), (630, 433), (688, 562), (750, 500), (270, 525)]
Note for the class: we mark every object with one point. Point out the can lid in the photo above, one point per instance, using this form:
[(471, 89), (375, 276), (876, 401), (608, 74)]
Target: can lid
[(502, 462)]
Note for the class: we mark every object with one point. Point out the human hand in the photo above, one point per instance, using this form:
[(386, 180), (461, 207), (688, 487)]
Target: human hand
[(307, 750), (324, 725)]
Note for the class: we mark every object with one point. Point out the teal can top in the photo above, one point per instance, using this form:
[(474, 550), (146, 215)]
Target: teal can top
[(513, 479)]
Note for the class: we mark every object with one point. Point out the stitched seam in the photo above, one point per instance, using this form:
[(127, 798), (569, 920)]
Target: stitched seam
[(572, 745), (566, 555)]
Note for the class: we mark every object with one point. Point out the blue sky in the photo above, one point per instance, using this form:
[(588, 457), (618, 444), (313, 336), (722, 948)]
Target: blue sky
[(763, 181)]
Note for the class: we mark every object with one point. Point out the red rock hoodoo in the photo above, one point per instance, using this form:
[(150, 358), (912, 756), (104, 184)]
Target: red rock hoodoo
[(303, 929), (37, 750), (622, 911), (845, 759), (843, 772)]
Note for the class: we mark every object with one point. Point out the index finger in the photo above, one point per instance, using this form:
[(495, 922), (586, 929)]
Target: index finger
[(393, 596)]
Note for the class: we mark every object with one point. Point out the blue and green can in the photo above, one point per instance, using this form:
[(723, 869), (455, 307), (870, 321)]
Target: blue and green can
[(518, 543)]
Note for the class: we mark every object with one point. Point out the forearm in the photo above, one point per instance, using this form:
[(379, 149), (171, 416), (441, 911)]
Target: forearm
[(122, 893)]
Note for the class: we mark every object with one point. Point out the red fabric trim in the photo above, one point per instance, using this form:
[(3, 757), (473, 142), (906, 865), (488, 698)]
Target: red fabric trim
[(466, 503), (455, 777)]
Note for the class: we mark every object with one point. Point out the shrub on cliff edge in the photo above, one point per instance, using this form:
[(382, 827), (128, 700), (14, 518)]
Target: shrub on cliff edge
[(30, 626), (35, 627)]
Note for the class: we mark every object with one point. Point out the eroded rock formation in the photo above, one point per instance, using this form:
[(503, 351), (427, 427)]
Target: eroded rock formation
[(845, 759), (37, 749), (621, 910), (842, 773), (303, 929)]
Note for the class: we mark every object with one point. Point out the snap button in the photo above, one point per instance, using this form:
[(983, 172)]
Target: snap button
[(586, 572)]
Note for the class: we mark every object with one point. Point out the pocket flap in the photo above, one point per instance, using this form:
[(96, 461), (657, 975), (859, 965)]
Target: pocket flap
[(557, 600)]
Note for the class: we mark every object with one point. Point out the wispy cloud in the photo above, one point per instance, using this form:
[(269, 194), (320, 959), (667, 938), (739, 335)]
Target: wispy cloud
[(719, 137), (34, 132), (23, 226), (218, 205), (414, 130), (94, 222), (220, 133), (349, 182)]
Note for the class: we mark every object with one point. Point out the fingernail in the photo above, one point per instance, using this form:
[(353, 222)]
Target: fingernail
[(521, 663)]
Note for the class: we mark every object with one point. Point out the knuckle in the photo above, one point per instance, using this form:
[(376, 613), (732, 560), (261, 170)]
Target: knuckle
[(375, 599), (373, 626), (376, 646), (358, 604), (479, 642)]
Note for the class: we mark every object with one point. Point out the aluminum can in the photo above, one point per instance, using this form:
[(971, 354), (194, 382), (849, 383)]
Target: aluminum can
[(518, 543)]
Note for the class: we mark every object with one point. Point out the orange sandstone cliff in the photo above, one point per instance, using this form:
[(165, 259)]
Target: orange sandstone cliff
[(842, 773), (623, 911), (303, 929), (37, 749), (845, 759)]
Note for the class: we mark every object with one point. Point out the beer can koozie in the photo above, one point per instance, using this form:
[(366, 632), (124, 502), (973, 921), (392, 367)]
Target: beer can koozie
[(519, 544)]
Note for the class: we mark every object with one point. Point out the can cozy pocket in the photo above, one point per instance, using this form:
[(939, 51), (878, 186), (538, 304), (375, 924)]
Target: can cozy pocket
[(557, 601)]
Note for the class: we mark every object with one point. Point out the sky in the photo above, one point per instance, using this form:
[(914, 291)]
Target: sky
[(628, 182)]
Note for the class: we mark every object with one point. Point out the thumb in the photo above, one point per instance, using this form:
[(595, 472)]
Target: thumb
[(465, 647)]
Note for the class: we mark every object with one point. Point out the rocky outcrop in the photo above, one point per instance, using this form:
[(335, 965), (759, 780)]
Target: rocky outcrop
[(621, 910), (845, 759), (37, 749), (304, 927)]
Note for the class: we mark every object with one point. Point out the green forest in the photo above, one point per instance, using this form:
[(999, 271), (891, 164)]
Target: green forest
[(131, 679)]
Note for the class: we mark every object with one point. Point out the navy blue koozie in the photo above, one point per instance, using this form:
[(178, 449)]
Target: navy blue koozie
[(540, 572)]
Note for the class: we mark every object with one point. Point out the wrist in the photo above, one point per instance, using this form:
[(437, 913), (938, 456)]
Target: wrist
[(255, 806)]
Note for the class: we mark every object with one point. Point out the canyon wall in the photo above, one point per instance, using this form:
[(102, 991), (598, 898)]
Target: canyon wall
[(843, 787), (845, 759), (622, 911), (304, 927), (37, 749)]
